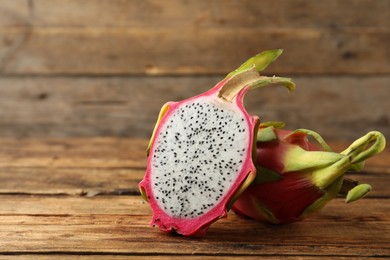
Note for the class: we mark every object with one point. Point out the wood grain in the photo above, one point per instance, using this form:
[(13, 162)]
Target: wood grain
[(57, 37), (195, 13), (129, 233), (15, 13), (339, 108), (200, 14), (343, 36), (130, 51), (157, 257), (70, 181), (73, 205), (135, 206), (73, 153)]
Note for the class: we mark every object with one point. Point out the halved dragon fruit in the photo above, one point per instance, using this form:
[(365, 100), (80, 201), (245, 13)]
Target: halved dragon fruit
[(296, 177), (200, 153)]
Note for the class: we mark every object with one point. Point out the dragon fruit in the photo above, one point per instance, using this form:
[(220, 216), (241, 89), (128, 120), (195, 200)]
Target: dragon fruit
[(200, 153), (296, 177)]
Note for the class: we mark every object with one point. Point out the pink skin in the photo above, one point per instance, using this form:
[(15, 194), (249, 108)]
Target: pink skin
[(287, 197), (198, 226)]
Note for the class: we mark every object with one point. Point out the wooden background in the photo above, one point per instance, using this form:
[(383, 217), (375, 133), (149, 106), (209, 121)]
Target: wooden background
[(105, 67)]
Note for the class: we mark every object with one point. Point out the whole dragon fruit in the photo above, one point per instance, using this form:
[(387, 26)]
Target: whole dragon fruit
[(200, 153), (296, 177)]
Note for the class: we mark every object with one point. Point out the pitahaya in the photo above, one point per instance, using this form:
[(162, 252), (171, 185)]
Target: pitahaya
[(200, 153), (296, 177)]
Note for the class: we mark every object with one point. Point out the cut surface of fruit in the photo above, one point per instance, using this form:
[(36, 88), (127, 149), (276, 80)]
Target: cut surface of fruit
[(207, 142)]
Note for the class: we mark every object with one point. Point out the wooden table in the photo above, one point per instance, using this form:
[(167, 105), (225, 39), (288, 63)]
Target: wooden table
[(78, 197)]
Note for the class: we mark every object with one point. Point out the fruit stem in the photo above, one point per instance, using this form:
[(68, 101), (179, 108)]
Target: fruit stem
[(250, 79)]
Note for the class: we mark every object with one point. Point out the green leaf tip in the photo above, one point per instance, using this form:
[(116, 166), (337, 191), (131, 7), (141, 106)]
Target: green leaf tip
[(266, 134), (352, 158), (275, 124), (358, 151), (358, 192), (247, 75), (265, 81), (143, 194), (260, 61)]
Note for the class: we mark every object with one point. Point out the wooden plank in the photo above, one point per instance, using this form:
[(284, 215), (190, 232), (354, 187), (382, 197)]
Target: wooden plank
[(165, 257), (69, 205), (154, 257), (362, 231), (114, 51), (70, 181), (128, 106), (73, 153), (109, 205), (196, 13), (135, 206), (83, 238), (333, 37)]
